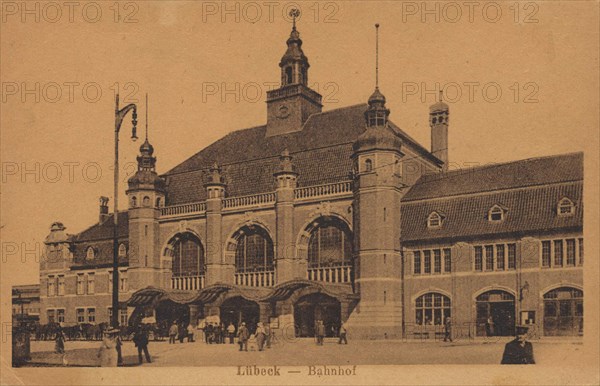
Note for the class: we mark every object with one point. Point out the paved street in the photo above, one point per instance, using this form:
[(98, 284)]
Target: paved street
[(304, 352)]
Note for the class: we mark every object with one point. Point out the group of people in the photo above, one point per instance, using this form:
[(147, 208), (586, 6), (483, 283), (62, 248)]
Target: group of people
[(262, 337), (181, 332), (320, 333), (110, 354), (217, 332)]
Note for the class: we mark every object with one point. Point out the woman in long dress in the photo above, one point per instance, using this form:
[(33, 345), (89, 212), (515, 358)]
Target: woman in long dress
[(108, 349)]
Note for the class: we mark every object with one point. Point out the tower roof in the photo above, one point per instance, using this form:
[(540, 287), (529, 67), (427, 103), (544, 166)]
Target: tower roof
[(294, 51)]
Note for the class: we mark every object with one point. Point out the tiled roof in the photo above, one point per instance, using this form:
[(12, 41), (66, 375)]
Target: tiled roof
[(529, 190), (104, 230), (321, 152), (528, 172)]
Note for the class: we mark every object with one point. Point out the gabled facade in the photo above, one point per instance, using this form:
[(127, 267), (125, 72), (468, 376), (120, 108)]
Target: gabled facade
[(327, 215)]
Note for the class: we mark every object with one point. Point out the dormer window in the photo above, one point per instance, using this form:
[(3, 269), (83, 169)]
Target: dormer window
[(434, 220), (566, 207), (90, 254), (122, 251), (496, 213)]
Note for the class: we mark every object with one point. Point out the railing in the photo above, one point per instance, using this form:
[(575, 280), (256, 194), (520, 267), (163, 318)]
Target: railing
[(333, 189), (330, 274), (255, 279), (252, 200), (176, 210), (188, 283)]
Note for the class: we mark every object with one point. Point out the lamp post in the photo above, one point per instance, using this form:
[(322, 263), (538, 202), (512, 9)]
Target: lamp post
[(119, 116)]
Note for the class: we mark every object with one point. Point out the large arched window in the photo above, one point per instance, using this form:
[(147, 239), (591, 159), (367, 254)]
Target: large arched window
[(188, 256), (432, 309), (563, 311), (330, 244), (254, 250)]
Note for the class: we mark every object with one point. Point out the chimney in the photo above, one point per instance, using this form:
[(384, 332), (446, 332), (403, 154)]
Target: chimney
[(103, 209), (439, 115)]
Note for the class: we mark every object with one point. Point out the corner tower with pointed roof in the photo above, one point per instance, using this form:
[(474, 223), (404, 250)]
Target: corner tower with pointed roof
[(377, 155), (146, 195), (289, 106)]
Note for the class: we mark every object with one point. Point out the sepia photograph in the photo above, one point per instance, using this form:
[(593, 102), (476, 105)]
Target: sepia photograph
[(303, 192)]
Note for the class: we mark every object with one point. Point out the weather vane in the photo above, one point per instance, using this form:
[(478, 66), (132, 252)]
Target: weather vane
[(294, 13)]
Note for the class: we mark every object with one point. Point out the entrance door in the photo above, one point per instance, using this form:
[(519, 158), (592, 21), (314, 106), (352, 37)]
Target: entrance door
[(495, 314), (563, 312), (310, 308), (237, 310)]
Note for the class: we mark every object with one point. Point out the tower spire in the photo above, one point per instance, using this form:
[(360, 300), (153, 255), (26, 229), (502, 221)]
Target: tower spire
[(146, 116), (377, 114), (377, 55)]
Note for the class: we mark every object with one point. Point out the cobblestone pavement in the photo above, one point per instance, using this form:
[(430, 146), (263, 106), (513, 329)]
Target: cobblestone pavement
[(304, 352)]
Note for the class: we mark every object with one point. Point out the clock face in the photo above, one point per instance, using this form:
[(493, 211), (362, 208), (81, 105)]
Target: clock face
[(283, 112)]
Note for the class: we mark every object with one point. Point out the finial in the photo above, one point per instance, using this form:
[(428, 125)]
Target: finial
[(146, 116), (441, 95), (294, 13), (377, 55)]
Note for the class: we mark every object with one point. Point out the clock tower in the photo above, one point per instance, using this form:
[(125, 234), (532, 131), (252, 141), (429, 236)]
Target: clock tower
[(289, 106)]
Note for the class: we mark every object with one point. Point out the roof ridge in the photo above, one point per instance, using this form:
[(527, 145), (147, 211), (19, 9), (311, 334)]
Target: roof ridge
[(453, 196), (265, 158), (110, 215), (427, 177)]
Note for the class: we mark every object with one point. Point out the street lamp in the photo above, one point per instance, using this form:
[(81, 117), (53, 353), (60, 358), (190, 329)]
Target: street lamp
[(119, 116)]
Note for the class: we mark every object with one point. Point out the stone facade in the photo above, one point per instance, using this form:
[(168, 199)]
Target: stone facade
[(324, 215)]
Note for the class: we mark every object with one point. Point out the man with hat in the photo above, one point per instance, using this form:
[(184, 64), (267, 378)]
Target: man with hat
[(518, 351), (243, 335)]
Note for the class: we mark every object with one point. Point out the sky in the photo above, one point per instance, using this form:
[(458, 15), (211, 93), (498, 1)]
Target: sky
[(521, 81)]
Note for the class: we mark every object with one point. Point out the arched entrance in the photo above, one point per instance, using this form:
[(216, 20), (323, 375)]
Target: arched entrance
[(563, 311), (237, 310), (310, 308), (168, 311), (500, 307)]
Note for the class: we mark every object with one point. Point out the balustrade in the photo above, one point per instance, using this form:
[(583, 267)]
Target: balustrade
[(337, 188), (341, 274), (255, 279), (187, 283)]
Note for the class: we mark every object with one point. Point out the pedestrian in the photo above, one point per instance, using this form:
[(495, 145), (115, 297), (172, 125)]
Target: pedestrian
[(320, 332), (59, 342), (190, 333), (223, 333), (182, 332), (343, 332), (218, 332), (140, 338), (260, 336), (108, 349), (208, 331), (231, 332), (243, 335), (489, 326), (173, 333), (119, 344), (518, 351), (448, 329), (202, 327), (267, 328)]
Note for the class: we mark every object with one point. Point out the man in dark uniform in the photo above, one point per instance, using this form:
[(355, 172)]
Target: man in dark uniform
[(518, 351)]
